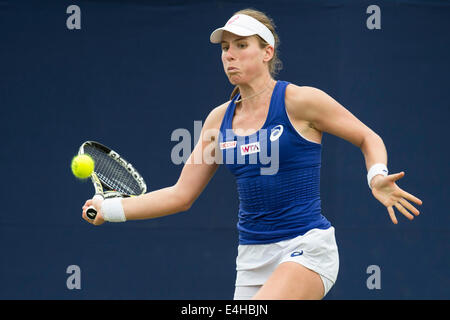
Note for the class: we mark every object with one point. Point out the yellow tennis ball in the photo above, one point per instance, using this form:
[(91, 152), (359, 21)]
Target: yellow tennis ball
[(82, 166)]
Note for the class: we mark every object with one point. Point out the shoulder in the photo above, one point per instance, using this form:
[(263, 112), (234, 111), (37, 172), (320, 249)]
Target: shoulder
[(215, 116), (302, 94), (302, 100), (219, 111)]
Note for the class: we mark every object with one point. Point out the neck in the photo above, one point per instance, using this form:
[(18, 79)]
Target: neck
[(256, 90), (254, 86)]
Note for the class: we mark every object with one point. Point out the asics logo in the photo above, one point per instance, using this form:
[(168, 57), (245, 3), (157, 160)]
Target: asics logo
[(276, 132), (297, 253)]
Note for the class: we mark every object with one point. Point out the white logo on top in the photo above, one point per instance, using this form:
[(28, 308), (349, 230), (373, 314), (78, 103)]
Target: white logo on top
[(276, 132)]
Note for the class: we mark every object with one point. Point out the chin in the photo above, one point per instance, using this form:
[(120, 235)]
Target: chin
[(235, 79)]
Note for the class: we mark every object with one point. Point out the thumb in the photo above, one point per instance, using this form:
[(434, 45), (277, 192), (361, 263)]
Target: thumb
[(396, 176), (88, 203)]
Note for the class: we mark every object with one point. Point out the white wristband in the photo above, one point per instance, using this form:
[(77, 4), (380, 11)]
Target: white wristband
[(376, 169), (112, 210)]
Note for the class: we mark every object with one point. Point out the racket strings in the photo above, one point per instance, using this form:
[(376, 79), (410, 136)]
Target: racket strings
[(113, 174)]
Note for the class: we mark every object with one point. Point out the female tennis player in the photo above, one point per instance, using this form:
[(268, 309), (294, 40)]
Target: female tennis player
[(287, 248)]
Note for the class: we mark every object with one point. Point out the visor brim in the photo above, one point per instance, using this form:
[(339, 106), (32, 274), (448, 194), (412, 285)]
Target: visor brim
[(216, 35)]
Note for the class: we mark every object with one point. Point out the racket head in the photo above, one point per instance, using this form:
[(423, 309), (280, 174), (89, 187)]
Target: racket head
[(113, 176)]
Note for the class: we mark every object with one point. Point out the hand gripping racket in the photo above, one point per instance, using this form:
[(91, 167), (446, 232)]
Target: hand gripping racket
[(113, 176)]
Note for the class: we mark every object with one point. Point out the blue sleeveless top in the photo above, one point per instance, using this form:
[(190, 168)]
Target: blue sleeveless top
[(277, 175)]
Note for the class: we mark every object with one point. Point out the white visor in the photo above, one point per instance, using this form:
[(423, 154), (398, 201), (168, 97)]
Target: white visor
[(243, 25)]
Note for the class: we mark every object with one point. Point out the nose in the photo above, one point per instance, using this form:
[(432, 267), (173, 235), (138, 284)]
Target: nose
[(229, 54)]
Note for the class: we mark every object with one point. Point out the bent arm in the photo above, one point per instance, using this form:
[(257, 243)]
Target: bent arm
[(327, 115), (196, 173)]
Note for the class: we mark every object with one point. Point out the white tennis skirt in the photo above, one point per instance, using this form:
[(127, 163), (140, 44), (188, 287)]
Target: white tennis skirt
[(316, 250)]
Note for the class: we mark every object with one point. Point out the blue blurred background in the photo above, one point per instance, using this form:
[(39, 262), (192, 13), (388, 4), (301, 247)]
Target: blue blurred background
[(138, 70)]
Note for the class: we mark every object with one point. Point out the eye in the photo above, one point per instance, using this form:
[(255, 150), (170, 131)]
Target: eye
[(224, 48), (242, 45)]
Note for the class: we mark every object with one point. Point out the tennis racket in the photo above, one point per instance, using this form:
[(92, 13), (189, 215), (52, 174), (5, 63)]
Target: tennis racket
[(113, 176)]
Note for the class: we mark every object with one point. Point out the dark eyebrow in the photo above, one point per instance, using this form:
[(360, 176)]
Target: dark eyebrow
[(236, 40)]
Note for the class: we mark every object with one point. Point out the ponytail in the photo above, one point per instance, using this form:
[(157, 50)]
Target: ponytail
[(234, 93)]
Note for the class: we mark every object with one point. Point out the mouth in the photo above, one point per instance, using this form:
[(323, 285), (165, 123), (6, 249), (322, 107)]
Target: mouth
[(231, 69)]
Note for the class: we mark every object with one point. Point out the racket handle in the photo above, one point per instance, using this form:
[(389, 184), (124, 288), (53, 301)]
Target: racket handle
[(91, 212)]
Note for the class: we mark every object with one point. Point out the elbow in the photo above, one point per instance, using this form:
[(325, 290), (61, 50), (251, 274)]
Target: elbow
[(186, 205), (184, 200), (369, 139)]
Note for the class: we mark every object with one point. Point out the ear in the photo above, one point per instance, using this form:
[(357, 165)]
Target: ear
[(268, 53)]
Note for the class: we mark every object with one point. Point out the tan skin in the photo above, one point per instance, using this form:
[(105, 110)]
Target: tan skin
[(312, 112)]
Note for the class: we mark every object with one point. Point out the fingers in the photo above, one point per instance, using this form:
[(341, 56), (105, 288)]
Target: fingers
[(398, 198), (96, 203), (87, 204), (392, 215), (410, 207), (404, 194), (403, 211), (400, 205), (410, 197), (83, 215), (95, 222)]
